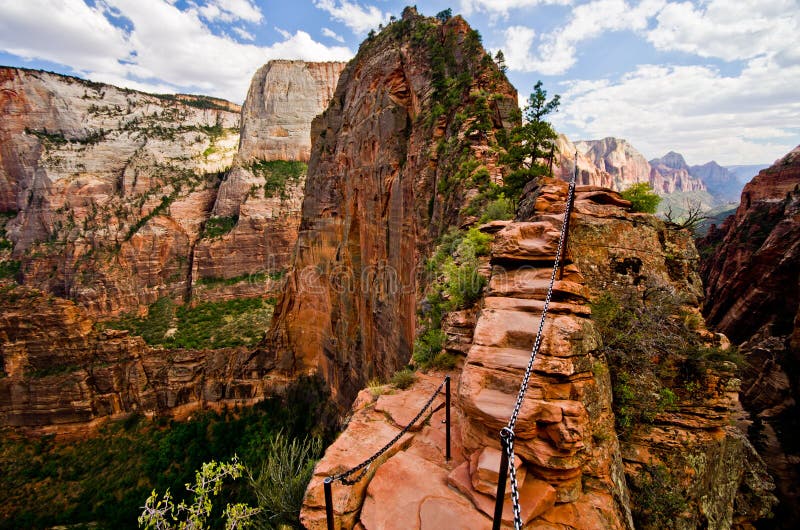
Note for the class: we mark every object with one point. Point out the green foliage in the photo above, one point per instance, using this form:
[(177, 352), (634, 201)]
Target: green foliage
[(531, 143), (279, 484), (404, 378), (104, 479), (652, 344), (163, 513), (642, 197), (255, 277), (219, 226), (444, 15), (501, 208), (237, 322), (277, 174), (428, 346), (51, 138), (656, 499), (10, 269)]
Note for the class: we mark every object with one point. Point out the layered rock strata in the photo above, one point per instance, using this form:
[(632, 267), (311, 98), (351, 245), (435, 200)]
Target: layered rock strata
[(60, 375), (751, 269), (120, 198), (260, 192), (389, 172), (573, 470)]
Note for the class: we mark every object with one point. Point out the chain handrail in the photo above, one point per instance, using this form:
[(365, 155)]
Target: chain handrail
[(507, 433), (343, 477)]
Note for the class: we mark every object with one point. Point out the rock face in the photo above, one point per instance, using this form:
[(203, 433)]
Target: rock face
[(390, 171), (589, 173), (284, 97), (60, 375), (110, 187), (721, 183), (751, 269), (262, 192), (573, 471), (618, 158), (121, 198)]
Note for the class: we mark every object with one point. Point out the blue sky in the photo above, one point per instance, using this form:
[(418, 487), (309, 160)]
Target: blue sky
[(712, 79)]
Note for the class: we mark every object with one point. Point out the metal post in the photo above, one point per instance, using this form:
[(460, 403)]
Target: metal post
[(502, 476), (447, 414), (328, 502), (570, 203)]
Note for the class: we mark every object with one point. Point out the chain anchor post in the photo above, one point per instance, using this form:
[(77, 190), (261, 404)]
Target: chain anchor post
[(502, 477), (447, 416), (328, 501)]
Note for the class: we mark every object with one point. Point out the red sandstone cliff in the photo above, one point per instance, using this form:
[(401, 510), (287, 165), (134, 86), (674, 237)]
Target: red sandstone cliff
[(411, 122), (752, 272), (120, 198)]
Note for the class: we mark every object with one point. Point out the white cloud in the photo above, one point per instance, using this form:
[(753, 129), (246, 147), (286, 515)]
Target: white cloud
[(502, 7), (332, 34), (243, 34), (230, 11), (749, 118), (557, 51), (166, 50), (359, 19), (729, 30)]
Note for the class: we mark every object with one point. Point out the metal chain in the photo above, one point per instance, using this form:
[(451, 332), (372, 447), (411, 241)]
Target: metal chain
[(343, 477), (534, 351)]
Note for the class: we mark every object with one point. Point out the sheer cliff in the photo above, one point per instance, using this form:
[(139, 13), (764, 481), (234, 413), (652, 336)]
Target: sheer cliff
[(118, 198), (401, 153), (750, 268)]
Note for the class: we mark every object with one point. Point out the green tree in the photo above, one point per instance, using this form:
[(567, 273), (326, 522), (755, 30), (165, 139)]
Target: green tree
[(642, 197), (500, 59), (531, 146)]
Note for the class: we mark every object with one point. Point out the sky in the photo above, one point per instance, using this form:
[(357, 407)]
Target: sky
[(711, 79)]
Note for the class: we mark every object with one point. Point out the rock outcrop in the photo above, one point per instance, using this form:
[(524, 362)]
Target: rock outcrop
[(751, 269), (573, 470), (403, 147), (589, 174), (60, 375)]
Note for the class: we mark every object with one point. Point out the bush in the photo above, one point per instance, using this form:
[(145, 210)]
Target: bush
[(163, 513), (501, 208), (428, 346), (219, 226), (280, 482), (403, 379), (642, 197), (277, 174)]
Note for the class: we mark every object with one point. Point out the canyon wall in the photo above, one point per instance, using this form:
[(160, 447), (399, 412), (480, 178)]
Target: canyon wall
[(119, 198), (60, 375), (404, 146), (751, 270)]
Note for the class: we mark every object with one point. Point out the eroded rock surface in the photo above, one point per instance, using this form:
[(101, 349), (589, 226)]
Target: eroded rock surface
[(382, 185), (751, 267)]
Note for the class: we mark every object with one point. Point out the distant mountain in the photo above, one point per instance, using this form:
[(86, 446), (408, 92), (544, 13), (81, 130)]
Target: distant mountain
[(721, 183), (671, 173), (744, 173)]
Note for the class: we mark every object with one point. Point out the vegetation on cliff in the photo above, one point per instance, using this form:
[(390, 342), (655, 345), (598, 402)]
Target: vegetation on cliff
[(106, 479)]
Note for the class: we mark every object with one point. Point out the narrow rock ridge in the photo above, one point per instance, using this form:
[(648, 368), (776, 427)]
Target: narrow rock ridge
[(573, 471)]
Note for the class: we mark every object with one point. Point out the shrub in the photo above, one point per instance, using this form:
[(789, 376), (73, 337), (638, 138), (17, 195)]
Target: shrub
[(219, 226), (280, 482), (656, 499), (501, 208), (428, 346), (277, 174), (376, 387), (642, 197), (404, 378), (163, 513)]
